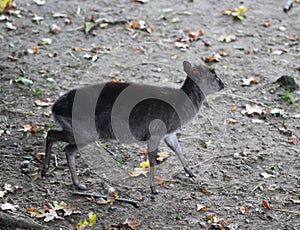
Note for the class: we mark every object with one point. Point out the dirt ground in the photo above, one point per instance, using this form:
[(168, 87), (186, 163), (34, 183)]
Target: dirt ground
[(240, 157)]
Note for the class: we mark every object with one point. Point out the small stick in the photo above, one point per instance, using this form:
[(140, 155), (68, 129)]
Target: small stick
[(287, 211), (246, 99), (132, 202)]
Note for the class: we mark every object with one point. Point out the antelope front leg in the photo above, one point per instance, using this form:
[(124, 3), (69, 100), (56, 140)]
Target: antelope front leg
[(173, 144)]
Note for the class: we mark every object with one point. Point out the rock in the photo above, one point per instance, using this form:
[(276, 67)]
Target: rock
[(288, 83)]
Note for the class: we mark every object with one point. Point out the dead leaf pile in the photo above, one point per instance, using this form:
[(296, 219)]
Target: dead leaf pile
[(32, 128), (50, 212), (140, 25)]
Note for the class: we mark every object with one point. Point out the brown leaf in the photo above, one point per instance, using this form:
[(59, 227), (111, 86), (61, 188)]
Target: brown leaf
[(231, 121), (293, 139), (205, 190), (159, 180), (200, 208), (140, 25), (248, 81), (213, 58), (55, 29), (266, 204), (132, 223), (295, 199), (162, 156), (244, 210), (44, 102), (195, 35)]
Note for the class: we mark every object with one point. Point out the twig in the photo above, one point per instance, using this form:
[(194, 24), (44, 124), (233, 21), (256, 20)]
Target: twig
[(106, 149), (287, 211), (246, 99), (132, 202)]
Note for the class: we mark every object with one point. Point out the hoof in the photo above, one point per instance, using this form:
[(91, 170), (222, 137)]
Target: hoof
[(154, 191), (81, 186), (43, 173)]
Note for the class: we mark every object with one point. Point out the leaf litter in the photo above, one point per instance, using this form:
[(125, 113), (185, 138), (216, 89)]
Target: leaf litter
[(50, 212)]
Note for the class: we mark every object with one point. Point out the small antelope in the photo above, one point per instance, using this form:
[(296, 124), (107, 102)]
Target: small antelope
[(128, 113)]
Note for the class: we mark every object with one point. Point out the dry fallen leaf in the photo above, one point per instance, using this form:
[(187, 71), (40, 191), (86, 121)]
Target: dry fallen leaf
[(213, 58), (266, 204), (181, 45), (248, 81), (200, 208), (162, 156), (205, 190), (293, 139), (10, 26), (108, 200), (227, 39), (140, 25), (131, 223), (295, 200), (37, 19), (244, 210), (231, 121), (44, 102), (194, 36), (39, 2), (250, 110), (138, 171), (32, 128), (58, 15), (145, 164), (8, 206), (160, 180), (5, 4), (55, 29)]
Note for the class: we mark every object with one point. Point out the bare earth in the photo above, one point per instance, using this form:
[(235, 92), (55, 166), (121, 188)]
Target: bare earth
[(240, 161)]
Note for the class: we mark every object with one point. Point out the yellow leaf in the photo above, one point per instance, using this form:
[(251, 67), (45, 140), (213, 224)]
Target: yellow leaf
[(4, 4), (145, 164), (93, 218), (241, 10), (138, 171)]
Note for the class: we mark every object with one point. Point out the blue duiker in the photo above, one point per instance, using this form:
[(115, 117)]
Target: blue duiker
[(128, 113)]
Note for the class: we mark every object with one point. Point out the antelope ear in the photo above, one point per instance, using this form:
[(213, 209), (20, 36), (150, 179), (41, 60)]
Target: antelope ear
[(187, 67)]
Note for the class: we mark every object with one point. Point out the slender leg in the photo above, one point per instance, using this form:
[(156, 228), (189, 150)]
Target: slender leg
[(152, 159), (52, 136), (70, 151), (172, 142)]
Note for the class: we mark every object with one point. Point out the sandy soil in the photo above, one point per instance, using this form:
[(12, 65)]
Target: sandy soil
[(241, 159)]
